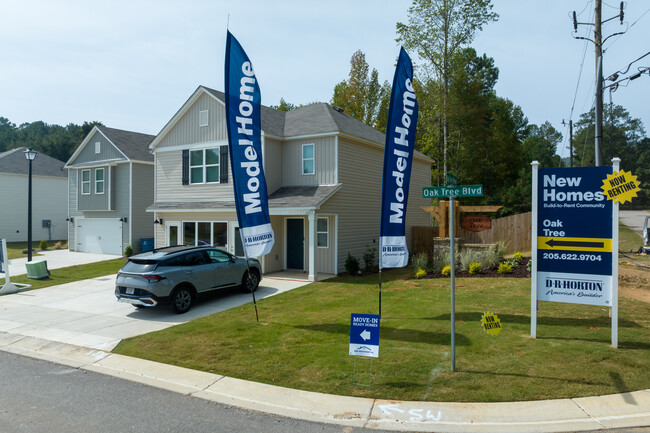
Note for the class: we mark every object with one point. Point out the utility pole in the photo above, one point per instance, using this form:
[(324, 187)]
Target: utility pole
[(598, 42), (598, 36)]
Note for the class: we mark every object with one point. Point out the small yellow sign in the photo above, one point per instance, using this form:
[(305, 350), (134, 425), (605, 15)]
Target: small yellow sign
[(620, 186), (491, 323)]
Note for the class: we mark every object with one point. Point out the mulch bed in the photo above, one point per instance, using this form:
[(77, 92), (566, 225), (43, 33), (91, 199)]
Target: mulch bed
[(520, 271)]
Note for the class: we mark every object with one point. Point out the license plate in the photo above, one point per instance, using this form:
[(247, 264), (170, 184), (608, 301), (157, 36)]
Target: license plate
[(130, 290)]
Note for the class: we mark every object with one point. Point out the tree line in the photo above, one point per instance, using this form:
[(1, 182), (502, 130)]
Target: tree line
[(56, 141)]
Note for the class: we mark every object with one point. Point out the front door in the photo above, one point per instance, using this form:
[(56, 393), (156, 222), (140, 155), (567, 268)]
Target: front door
[(173, 237), (295, 243)]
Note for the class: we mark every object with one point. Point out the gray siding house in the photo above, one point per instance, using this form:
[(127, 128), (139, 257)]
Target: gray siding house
[(110, 185), (49, 197), (323, 172)]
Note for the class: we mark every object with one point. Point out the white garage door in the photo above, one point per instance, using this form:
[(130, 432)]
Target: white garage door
[(99, 236)]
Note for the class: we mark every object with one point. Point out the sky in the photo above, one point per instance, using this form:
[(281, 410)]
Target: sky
[(131, 64)]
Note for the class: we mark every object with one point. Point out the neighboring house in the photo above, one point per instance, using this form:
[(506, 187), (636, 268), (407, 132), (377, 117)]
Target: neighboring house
[(110, 184), (49, 197), (323, 172)]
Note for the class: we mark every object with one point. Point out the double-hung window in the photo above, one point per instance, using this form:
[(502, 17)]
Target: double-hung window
[(322, 233), (85, 182), (99, 181), (308, 166), (204, 165)]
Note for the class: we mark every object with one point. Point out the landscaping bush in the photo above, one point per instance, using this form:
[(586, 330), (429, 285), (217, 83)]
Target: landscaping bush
[(419, 261), (128, 251), (505, 268), (59, 245), (352, 265), (474, 268), (421, 273), (42, 245), (440, 260), (489, 259), (369, 258), (468, 256), (446, 271), (518, 257), (501, 249)]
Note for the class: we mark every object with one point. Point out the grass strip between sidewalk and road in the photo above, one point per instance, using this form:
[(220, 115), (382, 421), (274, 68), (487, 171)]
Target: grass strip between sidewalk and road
[(302, 342), (71, 274)]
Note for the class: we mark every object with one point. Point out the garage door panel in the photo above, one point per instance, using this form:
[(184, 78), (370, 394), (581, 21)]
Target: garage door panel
[(99, 236)]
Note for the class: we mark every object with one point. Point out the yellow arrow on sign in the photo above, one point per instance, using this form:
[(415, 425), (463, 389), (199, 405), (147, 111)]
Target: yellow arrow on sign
[(599, 245)]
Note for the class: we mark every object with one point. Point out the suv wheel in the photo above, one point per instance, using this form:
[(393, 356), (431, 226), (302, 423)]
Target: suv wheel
[(250, 283), (181, 299)]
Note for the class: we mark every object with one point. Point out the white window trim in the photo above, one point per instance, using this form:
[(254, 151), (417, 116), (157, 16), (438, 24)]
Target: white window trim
[(313, 158), (103, 181), (85, 182), (327, 232), (203, 118), (205, 166)]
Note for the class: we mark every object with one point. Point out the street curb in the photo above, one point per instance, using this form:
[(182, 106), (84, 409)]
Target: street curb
[(586, 413)]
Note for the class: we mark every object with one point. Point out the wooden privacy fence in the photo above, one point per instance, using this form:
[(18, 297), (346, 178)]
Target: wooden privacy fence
[(514, 231)]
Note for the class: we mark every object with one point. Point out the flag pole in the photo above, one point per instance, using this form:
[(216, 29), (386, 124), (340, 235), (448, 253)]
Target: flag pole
[(380, 275), (248, 273)]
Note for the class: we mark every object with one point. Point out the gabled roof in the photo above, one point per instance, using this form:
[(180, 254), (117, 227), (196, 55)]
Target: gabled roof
[(314, 119), (14, 161), (133, 145)]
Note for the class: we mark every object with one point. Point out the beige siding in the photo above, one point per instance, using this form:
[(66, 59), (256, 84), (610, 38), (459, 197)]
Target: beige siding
[(274, 261), (187, 129), (273, 150), (325, 162), (169, 182), (358, 201), (326, 257)]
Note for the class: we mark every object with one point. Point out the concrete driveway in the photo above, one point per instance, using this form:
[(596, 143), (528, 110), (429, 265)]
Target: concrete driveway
[(86, 313), (57, 259)]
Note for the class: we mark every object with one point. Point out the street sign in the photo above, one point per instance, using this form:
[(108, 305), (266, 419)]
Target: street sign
[(452, 191), (364, 335), (451, 180)]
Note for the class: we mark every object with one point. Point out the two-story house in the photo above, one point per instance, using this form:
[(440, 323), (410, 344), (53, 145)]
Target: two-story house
[(323, 172), (110, 185)]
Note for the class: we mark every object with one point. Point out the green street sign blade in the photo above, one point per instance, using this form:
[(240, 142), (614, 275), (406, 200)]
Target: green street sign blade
[(451, 180), (452, 191)]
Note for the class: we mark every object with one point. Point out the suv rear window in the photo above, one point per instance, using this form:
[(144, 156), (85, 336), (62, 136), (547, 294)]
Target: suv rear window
[(138, 266)]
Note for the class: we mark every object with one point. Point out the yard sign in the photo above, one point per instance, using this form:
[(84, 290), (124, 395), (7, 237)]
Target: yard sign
[(574, 240)]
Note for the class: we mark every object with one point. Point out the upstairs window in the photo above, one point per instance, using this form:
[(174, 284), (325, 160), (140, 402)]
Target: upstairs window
[(85, 182), (204, 166), (99, 181), (308, 159), (98, 147), (203, 118)]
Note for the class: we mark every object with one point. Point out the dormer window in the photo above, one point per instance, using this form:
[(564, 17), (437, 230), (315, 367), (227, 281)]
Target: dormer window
[(203, 118), (98, 147), (308, 166)]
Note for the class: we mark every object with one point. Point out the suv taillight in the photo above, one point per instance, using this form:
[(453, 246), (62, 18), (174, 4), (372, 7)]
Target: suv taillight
[(154, 278)]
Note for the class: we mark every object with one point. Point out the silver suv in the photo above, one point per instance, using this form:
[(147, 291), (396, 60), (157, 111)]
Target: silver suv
[(176, 275)]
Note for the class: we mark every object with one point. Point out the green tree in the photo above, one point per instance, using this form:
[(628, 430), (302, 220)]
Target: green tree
[(361, 96), (284, 106), (541, 145), (437, 30)]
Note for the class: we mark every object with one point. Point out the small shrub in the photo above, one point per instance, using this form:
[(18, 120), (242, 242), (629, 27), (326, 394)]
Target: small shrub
[(446, 271), (352, 265), (468, 256), (474, 268), (59, 245), (419, 261), (518, 257), (501, 249), (505, 268), (42, 245), (529, 266), (421, 273), (128, 251), (369, 258), (489, 259)]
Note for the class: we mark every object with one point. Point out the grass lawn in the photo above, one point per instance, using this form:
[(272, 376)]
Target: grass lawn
[(302, 342), (71, 273), (15, 249)]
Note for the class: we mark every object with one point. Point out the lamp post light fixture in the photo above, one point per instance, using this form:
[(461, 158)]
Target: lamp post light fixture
[(29, 155)]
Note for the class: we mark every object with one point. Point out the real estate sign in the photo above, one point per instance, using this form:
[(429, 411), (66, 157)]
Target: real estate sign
[(364, 335), (574, 236)]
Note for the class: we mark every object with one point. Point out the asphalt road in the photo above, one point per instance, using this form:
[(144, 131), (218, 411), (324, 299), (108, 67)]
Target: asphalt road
[(38, 396)]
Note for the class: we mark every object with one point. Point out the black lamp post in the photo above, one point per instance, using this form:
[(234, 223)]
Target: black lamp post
[(29, 155)]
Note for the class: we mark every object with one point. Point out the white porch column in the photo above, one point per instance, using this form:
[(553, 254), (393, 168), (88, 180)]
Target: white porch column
[(312, 246)]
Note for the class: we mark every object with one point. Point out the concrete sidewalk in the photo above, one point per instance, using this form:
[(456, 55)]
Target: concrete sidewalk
[(57, 259), (588, 413)]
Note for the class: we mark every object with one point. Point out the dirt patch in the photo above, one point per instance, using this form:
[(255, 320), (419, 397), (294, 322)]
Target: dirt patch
[(634, 282)]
